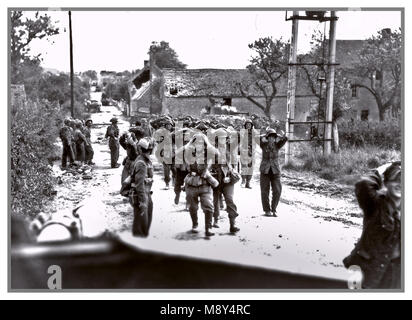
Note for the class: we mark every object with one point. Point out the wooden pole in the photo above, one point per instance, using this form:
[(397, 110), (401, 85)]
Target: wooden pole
[(290, 104), (330, 85), (71, 66)]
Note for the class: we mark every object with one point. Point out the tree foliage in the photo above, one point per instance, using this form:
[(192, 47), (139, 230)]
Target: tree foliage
[(314, 75), (380, 68), (54, 87), (164, 56), (268, 66), (32, 135), (35, 124), (23, 31), (91, 74), (118, 90)]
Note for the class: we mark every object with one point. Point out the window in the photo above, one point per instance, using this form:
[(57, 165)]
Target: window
[(227, 101), (173, 89), (308, 118), (354, 89), (364, 115), (378, 75)]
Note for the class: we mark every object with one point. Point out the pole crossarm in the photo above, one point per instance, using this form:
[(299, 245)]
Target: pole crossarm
[(313, 64), (324, 19)]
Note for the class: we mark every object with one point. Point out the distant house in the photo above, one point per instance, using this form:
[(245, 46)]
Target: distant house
[(364, 104), (188, 91)]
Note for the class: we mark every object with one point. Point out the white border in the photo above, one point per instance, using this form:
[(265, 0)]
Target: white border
[(189, 295)]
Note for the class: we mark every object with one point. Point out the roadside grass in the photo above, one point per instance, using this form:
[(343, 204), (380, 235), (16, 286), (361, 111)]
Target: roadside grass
[(345, 167)]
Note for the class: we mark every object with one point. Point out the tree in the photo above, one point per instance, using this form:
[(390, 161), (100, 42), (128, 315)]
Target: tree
[(91, 74), (164, 56), (267, 67), (54, 87), (379, 69), (316, 79), (23, 32)]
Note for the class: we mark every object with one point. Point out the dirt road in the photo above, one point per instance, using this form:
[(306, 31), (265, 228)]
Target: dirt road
[(317, 223)]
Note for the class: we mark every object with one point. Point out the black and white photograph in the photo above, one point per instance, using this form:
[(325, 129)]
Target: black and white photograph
[(213, 149)]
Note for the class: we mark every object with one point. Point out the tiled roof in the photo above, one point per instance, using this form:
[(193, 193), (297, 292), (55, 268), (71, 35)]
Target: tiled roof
[(218, 83), (206, 82)]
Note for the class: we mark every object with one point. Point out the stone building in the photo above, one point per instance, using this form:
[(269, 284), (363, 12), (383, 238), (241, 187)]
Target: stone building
[(188, 91)]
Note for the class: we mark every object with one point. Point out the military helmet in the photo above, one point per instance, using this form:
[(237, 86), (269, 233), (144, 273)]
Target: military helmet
[(146, 144), (113, 120), (248, 121), (271, 132), (202, 126)]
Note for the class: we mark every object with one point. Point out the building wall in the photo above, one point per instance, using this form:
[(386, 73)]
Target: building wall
[(194, 105), (364, 101), (143, 102)]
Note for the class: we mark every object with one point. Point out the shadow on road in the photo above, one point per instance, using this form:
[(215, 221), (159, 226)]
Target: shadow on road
[(189, 235)]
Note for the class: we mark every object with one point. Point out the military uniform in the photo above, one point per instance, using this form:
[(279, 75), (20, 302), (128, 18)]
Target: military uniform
[(226, 188), (169, 171), (198, 186), (247, 162), (80, 141), (270, 172), (112, 133), (140, 197), (66, 137), (199, 190), (378, 251), (89, 152), (128, 142)]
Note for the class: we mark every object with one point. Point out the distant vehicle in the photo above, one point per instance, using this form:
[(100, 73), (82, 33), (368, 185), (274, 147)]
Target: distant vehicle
[(108, 101), (93, 106), (105, 101)]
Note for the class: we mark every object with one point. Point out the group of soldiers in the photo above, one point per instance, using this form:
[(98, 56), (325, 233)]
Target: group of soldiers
[(77, 146), (205, 182)]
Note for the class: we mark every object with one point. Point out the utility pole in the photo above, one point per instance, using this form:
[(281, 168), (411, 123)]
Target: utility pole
[(290, 104), (71, 66), (330, 85)]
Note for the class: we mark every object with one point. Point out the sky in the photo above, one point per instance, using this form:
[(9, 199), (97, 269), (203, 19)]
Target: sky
[(118, 41)]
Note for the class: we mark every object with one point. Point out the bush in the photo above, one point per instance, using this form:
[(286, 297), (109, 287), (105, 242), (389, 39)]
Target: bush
[(347, 165), (385, 134), (33, 133), (79, 110)]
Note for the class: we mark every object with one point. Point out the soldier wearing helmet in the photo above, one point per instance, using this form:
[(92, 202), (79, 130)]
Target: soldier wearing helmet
[(224, 171), (167, 153), (112, 133), (80, 140), (89, 152), (66, 136), (141, 179), (247, 162), (270, 170), (199, 181)]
